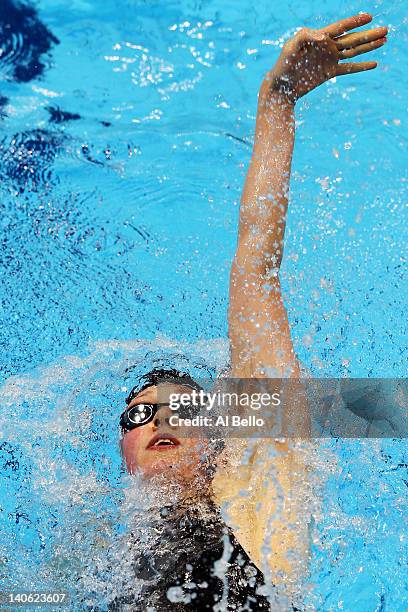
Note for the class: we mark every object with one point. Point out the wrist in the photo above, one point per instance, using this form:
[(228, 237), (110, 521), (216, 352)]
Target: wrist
[(274, 93)]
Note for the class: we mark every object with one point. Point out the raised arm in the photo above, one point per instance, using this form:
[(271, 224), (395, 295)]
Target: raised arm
[(259, 331)]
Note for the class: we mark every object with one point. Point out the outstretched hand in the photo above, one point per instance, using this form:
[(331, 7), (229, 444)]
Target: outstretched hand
[(312, 57)]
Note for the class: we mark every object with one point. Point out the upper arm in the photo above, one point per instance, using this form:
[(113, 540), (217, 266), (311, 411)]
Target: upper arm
[(261, 492)]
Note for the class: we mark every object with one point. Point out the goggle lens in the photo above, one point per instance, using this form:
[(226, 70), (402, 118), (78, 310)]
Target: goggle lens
[(137, 416), (141, 414)]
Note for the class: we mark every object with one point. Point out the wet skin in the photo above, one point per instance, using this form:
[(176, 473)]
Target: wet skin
[(158, 447)]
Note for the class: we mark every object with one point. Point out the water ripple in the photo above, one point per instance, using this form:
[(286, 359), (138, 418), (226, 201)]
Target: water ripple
[(27, 158), (24, 39)]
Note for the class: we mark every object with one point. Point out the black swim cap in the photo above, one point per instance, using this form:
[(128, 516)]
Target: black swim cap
[(158, 376)]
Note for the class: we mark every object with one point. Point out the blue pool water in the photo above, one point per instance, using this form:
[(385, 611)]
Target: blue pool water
[(126, 131)]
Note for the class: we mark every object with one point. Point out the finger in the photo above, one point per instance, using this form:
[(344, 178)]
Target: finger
[(349, 53), (344, 25), (359, 38), (351, 67)]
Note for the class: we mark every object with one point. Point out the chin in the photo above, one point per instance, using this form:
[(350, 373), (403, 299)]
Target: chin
[(176, 469)]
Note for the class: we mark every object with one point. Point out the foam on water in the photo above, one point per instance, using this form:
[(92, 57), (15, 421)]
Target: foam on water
[(69, 506), (62, 468)]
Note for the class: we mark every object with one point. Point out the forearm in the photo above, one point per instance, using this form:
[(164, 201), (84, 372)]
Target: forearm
[(265, 196)]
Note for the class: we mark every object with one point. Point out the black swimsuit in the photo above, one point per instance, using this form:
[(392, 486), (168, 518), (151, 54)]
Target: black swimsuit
[(196, 564)]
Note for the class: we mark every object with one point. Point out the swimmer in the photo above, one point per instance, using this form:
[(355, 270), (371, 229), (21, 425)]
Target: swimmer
[(193, 534), (261, 347)]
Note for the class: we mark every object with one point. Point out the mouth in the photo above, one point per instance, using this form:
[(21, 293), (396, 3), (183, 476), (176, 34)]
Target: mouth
[(162, 442)]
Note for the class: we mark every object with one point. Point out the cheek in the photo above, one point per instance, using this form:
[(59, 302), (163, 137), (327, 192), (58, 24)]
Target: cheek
[(131, 444)]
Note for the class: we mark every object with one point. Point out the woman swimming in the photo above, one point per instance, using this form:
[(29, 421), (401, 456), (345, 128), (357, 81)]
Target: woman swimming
[(260, 540), (191, 537)]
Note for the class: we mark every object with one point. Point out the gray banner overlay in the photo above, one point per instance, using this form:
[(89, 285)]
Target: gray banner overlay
[(289, 408)]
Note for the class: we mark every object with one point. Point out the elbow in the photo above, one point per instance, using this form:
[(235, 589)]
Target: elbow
[(259, 253), (250, 267)]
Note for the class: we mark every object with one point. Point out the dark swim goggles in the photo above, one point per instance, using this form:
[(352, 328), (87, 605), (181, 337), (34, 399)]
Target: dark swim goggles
[(140, 415)]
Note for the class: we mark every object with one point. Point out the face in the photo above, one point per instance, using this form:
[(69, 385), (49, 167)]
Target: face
[(158, 447)]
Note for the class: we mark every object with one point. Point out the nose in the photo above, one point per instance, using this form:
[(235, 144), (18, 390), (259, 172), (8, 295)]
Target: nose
[(159, 422)]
